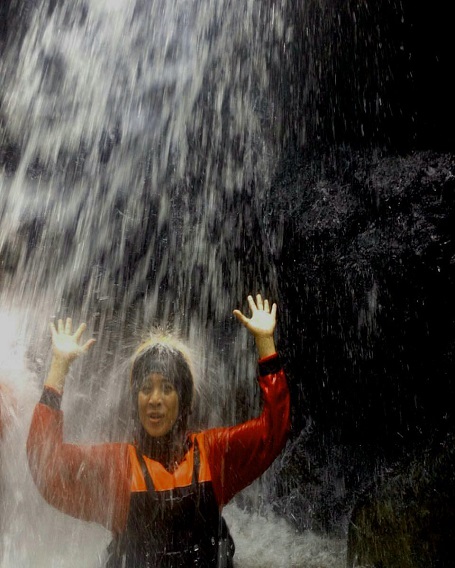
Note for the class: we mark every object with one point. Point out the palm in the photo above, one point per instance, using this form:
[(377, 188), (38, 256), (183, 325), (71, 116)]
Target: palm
[(263, 319), (65, 344)]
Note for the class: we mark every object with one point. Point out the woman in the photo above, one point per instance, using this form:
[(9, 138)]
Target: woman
[(161, 496)]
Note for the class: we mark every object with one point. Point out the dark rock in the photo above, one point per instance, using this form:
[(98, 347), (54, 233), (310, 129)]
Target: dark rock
[(407, 518), (365, 276)]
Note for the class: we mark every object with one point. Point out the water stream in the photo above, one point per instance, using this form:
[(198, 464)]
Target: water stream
[(140, 138)]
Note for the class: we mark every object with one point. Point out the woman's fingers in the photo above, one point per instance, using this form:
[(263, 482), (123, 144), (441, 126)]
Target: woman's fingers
[(52, 328), (88, 344), (65, 343), (66, 329), (238, 314), (273, 312), (252, 304), (80, 330), (259, 304)]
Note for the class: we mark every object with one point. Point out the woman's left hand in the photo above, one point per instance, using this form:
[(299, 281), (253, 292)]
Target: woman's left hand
[(263, 318)]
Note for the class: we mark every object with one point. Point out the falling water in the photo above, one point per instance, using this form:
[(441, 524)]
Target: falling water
[(137, 137)]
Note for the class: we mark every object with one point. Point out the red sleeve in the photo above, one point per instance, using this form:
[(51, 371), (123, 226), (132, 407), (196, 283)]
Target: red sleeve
[(86, 482), (240, 454)]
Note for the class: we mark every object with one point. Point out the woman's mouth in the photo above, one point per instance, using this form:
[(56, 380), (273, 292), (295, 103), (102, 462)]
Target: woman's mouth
[(155, 418)]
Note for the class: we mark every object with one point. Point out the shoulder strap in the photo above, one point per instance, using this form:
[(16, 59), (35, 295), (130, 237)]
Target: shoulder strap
[(145, 472), (148, 478), (196, 462)]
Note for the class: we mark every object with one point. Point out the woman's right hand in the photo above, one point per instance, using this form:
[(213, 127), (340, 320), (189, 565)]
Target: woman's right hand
[(65, 348), (65, 344)]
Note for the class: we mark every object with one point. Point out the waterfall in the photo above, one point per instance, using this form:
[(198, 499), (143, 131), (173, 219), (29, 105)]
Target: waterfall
[(137, 143)]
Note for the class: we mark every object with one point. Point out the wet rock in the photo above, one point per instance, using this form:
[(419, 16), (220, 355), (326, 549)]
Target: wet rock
[(407, 517), (364, 250)]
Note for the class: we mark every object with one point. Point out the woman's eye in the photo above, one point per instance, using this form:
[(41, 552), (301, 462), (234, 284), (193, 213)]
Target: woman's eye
[(146, 389), (168, 388)]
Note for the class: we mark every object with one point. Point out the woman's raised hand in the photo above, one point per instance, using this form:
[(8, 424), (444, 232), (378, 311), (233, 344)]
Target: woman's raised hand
[(263, 319), (65, 348), (261, 324), (65, 343)]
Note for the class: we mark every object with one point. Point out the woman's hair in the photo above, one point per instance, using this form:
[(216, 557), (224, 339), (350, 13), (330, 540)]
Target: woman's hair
[(165, 354)]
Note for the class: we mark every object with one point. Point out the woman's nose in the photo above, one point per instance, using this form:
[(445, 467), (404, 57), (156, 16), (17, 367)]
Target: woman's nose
[(155, 397)]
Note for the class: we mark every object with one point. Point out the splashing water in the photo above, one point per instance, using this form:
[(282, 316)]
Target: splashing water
[(129, 121), (137, 132)]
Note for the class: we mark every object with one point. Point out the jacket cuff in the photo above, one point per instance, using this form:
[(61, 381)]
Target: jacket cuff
[(51, 398), (270, 365)]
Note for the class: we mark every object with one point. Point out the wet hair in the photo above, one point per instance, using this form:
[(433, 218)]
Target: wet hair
[(169, 357)]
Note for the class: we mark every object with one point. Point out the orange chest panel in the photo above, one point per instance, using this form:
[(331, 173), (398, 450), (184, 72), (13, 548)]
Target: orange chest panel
[(164, 480)]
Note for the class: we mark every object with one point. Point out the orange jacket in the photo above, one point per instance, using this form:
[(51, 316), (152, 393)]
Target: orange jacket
[(94, 483), (163, 480)]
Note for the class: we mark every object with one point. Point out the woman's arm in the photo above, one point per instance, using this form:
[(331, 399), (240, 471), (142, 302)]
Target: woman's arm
[(240, 454), (86, 482)]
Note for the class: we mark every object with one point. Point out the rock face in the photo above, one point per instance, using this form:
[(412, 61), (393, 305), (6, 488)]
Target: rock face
[(366, 275), (407, 518), (365, 254)]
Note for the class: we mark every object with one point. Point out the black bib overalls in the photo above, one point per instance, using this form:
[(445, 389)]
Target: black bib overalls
[(179, 528)]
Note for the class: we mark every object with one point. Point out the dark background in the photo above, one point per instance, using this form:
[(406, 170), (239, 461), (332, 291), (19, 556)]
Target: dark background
[(365, 206), (370, 74)]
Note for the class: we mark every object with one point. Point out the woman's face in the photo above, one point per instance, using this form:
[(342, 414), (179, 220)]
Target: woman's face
[(158, 405)]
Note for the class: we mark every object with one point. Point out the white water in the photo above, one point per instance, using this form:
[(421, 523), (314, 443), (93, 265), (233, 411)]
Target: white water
[(139, 70), (117, 107)]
